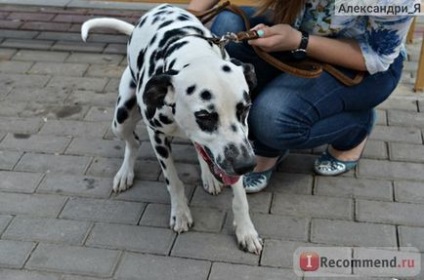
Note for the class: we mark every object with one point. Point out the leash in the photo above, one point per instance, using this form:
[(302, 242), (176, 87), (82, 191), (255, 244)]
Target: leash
[(308, 68)]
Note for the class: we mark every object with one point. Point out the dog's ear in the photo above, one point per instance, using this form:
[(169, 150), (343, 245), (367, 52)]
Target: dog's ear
[(159, 91), (249, 73)]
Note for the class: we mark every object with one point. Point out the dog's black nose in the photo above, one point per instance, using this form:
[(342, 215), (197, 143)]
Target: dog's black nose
[(244, 167)]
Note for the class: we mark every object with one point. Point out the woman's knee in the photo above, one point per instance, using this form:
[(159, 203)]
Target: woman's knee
[(227, 21)]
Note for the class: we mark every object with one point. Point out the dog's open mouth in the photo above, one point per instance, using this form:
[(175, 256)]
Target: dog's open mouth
[(219, 174)]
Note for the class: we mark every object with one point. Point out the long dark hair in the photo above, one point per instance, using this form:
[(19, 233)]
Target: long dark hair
[(284, 11)]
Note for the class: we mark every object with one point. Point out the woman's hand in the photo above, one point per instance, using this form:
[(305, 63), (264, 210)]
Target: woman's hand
[(279, 37)]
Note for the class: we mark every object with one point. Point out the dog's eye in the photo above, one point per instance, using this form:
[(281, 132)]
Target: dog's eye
[(207, 121)]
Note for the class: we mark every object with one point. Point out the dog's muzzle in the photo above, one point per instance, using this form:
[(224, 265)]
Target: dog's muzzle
[(219, 173)]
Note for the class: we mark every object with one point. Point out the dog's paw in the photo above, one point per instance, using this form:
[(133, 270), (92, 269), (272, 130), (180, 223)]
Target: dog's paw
[(123, 180), (181, 219), (210, 184), (249, 240)]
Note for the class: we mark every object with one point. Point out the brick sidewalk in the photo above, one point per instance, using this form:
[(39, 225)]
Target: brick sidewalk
[(60, 221)]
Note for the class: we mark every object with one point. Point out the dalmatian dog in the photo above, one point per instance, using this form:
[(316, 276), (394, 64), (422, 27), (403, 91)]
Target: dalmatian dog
[(183, 85)]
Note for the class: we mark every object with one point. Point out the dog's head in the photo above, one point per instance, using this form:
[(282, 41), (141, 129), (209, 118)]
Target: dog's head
[(210, 100)]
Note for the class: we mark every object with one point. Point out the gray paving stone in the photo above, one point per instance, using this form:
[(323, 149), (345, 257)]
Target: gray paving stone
[(46, 230), (26, 275), (53, 163), (396, 134), (111, 71), (41, 95), (406, 191), (381, 117), (100, 114), (6, 54), (96, 147), (390, 170), (8, 159), (389, 212), (116, 49), (406, 152), (61, 69), (103, 211), (258, 203), (211, 246), (76, 185), (290, 183), (4, 222), (78, 83), (77, 46), (225, 271), (343, 233), (132, 238), (107, 38), (146, 267), (27, 44), (312, 206), (14, 67), (404, 118), (20, 125), (107, 167), (148, 191), (46, 111), (113, 85), (35, 143), (399, 104), (59, 36), (19, 181), (21, 80), (77, 260), (275, 226), (205, 219), (34, 55), (13, 254), (76, 277), (35, 205), (375, 149), (74, 128), (411, 237), (279, 253), (95, 98), (354, 188), (108, 59)]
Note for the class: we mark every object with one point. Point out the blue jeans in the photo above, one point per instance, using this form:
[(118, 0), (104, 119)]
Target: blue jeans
[(290, 112)]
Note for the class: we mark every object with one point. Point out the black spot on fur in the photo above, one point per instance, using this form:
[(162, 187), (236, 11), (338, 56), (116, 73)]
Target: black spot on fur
[(234, 128), (246, 96), (190, 89), (164, 119), (165, 23), (136, 136), (188, 64), (162, 163), (162, 151), (157, 138), (121, 115), (174, 47), (156, 19), (226, 68), (171, 36), (142, 21), (241, 112), (211, 107), (140, 59), (167, 181), (133, 85), (236, 62), (155, 92), (196, 30), (183, 17), (115, 124), (153, 40), (206, 95), (171, 64), (129, 104), (118, 100), (231, 151), (157, 123), (207, 121)]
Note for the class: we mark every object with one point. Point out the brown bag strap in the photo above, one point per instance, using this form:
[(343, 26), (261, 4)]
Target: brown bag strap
[(306, 69)]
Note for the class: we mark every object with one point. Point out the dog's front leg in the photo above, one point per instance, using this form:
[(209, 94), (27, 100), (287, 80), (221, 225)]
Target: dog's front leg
[(181, 219), (247, 236)]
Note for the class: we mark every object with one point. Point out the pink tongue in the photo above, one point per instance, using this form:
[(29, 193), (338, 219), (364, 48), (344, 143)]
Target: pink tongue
[(226, 179)]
